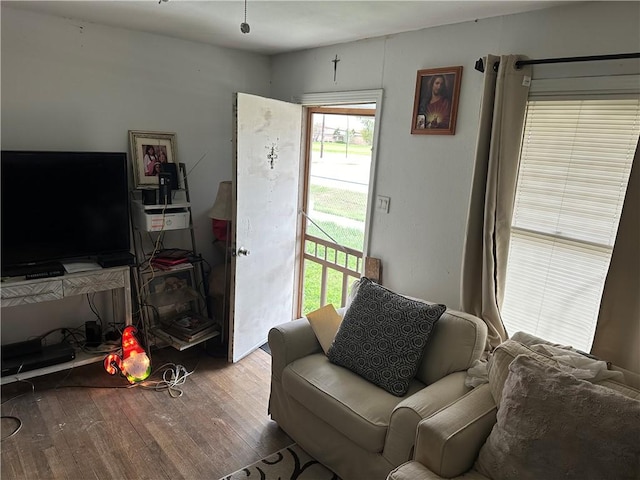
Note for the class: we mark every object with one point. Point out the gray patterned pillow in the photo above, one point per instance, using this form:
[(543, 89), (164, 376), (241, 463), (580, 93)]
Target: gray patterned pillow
[(383, 336)]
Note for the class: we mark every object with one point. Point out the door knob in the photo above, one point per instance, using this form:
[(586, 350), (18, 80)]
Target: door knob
[(242, 252)]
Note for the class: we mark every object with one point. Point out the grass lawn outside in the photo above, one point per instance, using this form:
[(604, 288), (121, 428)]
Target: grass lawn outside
[(331, 147), (312, 277), (341, 202), (345, 236)]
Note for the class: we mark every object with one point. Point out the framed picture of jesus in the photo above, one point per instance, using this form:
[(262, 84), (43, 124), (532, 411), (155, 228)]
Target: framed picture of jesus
[(435, 105)]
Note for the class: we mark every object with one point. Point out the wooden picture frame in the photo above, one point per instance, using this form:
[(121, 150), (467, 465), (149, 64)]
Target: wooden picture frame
[(436, 116), (148, 151)]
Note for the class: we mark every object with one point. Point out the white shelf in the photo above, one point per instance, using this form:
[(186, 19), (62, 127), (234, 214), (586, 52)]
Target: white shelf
[(179, 344)]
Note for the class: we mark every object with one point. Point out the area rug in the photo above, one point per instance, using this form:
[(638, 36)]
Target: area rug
[(290, 463)]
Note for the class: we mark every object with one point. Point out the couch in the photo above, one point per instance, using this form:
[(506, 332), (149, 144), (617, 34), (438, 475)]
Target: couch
[(351, 425), (560, 427)]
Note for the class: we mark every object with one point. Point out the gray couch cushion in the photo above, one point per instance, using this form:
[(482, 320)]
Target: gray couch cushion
[(383, 336), (355, 407), (552, 425), (508, 350)]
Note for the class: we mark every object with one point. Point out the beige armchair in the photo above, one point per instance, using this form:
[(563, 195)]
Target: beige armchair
[(352, 426)]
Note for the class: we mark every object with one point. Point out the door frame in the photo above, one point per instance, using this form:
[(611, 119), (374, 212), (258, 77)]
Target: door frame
[(334, 99)]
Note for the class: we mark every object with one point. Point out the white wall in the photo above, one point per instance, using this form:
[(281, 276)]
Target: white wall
[(68, 85), (428, 178)]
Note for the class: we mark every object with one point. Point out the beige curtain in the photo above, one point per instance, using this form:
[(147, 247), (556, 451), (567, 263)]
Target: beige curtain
[(617, 337), (486, 247)]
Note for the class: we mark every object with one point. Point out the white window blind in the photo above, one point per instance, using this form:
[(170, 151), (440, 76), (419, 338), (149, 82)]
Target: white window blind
[(574, 167)]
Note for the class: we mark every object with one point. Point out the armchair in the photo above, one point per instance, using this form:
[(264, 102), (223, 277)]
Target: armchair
[(352, 426)]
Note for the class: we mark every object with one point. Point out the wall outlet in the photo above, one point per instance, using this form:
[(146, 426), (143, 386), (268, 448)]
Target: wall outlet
[(382, 203)]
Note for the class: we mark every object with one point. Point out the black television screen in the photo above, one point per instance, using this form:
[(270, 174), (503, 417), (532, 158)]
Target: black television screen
[(63, 205)]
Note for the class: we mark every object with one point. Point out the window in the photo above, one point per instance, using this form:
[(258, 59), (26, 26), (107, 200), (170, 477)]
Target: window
[(575, 161)]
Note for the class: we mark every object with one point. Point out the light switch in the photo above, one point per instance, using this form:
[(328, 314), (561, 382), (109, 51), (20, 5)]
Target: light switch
[(382, 203)]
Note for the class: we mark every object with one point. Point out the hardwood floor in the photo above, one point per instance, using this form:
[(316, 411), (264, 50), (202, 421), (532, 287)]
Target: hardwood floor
[(79, 425)]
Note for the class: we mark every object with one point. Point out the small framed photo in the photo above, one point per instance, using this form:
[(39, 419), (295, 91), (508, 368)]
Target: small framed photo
[(435, 106), (149, 151)]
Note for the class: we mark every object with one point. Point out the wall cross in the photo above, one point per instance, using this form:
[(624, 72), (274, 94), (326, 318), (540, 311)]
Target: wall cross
[(335, 66)]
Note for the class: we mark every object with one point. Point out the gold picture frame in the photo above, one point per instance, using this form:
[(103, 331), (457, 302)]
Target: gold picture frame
[(435, 106), (149, 150)]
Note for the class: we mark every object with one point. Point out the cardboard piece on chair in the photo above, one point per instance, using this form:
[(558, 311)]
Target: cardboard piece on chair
[(325, 323)]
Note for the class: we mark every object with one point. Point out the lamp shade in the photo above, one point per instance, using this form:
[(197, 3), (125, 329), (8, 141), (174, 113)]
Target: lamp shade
[(221, 209)]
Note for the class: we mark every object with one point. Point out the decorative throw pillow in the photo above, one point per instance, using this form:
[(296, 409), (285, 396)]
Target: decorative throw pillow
[(383, 335), (325, 323), (553, 425)]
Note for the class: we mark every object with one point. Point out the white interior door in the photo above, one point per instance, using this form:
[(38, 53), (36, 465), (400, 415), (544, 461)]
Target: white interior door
[(266, 178)]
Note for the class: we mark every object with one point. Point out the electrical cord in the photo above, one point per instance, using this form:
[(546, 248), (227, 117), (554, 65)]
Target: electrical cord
[(173, 376), (192, 168), (13, 417), (46, 334), (152, 241), (155, 249), (94, 309), (77, 340), (17, 429)]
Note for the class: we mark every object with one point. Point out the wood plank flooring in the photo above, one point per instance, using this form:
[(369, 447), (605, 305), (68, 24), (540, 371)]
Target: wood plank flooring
[(81, 424)]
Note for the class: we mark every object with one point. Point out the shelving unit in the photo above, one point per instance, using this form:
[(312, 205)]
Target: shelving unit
[(16, 292), (161, 293)]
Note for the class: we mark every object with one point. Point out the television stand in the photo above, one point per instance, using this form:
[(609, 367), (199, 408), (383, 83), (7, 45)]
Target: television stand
[(16, 292)]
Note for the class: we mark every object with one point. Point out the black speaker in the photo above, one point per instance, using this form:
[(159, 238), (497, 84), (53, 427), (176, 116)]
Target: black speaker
[(172, 170), (149, 196), (93, 334), (164, 191)]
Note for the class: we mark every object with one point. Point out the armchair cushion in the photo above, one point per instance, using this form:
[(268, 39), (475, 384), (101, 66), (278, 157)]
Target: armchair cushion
[(383, 336), (553, 425), (353, 406)]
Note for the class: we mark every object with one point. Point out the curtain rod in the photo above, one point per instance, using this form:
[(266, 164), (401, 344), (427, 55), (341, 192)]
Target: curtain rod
[(520, 63)]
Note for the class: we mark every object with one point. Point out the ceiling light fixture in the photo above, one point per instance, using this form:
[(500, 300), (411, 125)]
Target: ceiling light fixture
[(244, 26)]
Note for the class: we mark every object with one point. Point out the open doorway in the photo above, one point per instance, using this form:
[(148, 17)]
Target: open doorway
[(336, 202)]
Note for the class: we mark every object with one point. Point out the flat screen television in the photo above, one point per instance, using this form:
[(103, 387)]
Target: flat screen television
[(62, 205)]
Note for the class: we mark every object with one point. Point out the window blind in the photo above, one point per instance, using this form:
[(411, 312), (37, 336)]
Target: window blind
[(575, 162)]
